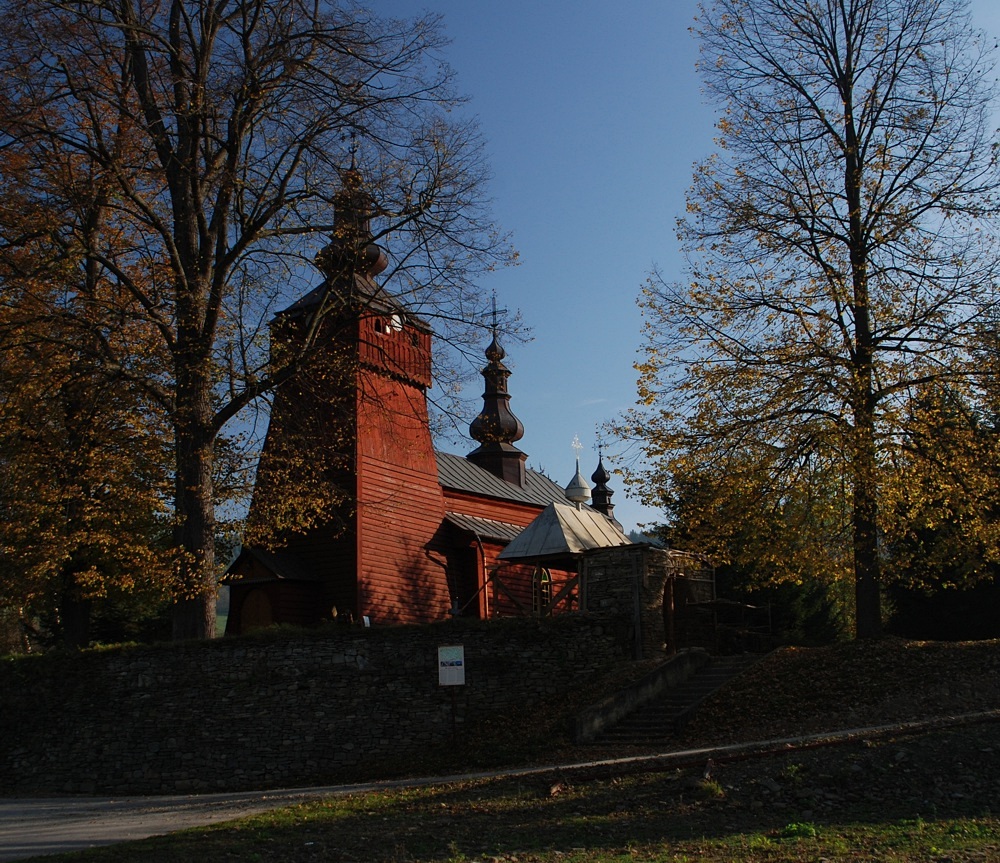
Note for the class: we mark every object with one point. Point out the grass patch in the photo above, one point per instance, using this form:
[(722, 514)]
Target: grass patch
[(816, 813)]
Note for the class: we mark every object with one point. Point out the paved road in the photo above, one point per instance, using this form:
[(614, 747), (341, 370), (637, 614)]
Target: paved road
[(35, 827)]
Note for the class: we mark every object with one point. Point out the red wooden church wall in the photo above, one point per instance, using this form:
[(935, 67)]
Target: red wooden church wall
[(400, 506), (517, 595), (399, 561)]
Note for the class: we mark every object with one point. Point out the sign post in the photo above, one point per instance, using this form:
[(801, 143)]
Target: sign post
[(451, 665), (451, 673)]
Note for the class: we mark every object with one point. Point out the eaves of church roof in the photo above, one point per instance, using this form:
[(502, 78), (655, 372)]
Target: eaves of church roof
[(484, 528), (366, 295), (457, 473), (281, 565)]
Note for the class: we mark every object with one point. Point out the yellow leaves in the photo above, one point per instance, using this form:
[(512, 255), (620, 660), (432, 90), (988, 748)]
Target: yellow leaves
[(85, 481)]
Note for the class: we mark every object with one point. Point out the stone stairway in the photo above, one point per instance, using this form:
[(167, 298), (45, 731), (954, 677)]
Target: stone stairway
[(660, 719)]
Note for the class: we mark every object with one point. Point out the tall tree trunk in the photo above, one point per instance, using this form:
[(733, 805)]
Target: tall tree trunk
[(194, 611), (867, 564), (74, 612)]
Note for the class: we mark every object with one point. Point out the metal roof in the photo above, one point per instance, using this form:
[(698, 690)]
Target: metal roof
[(561, 529), (459, 474), (484, 528), (366, 295)]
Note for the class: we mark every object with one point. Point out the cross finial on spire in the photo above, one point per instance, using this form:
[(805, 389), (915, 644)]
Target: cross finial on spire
[(577, 492), (495, 314), (354, 151)]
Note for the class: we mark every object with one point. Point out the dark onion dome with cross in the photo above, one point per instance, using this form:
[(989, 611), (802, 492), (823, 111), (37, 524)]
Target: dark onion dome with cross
[(351, 260), (496, 422), (496, 428), (601, 497), (351, 307)]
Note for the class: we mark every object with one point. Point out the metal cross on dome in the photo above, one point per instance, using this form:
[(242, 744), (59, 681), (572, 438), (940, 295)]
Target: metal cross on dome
[(495, 313), (577, 446)]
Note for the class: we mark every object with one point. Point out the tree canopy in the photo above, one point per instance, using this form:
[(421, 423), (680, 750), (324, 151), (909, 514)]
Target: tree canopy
[(841, 250), (187, 154)]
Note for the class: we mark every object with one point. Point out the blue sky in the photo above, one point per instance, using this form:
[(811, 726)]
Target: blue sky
[(594, 117)]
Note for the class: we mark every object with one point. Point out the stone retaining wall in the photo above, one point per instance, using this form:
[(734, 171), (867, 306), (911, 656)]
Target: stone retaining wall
[(276, 709)]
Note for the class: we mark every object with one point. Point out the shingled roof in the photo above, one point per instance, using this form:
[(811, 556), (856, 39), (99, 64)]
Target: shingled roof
[(561, 530), (457, 473)]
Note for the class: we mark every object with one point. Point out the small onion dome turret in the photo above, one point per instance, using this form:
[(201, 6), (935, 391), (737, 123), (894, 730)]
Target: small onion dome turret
[(600, 476), (603, 494), (496, 428)]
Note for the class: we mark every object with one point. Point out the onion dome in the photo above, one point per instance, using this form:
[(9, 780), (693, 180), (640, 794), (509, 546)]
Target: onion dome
[(600, 476), (578, 491), (602, 494), (351, 249), (496, 422), (496, 428)]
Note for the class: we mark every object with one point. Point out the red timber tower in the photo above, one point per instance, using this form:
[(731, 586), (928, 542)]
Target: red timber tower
[(347, 494)]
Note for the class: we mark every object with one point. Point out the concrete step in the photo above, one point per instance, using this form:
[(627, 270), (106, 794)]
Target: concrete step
[(661, 719)]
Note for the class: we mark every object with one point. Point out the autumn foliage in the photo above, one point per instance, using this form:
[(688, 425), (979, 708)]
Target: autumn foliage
[(177, 165), (841, 261)]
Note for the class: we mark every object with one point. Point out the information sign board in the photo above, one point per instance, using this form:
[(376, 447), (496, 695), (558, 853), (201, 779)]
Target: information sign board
[(451, 665)]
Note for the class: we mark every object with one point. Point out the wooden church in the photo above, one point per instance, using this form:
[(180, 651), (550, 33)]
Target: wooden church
[(355, 516)]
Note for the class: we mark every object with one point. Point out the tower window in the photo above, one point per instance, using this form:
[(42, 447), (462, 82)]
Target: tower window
[(389, 324)]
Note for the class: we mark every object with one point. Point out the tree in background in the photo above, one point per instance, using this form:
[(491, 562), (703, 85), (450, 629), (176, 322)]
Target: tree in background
[(787, 553), (841, 251), (942, 536), (207, 140), (83, 505), (942, 516)]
